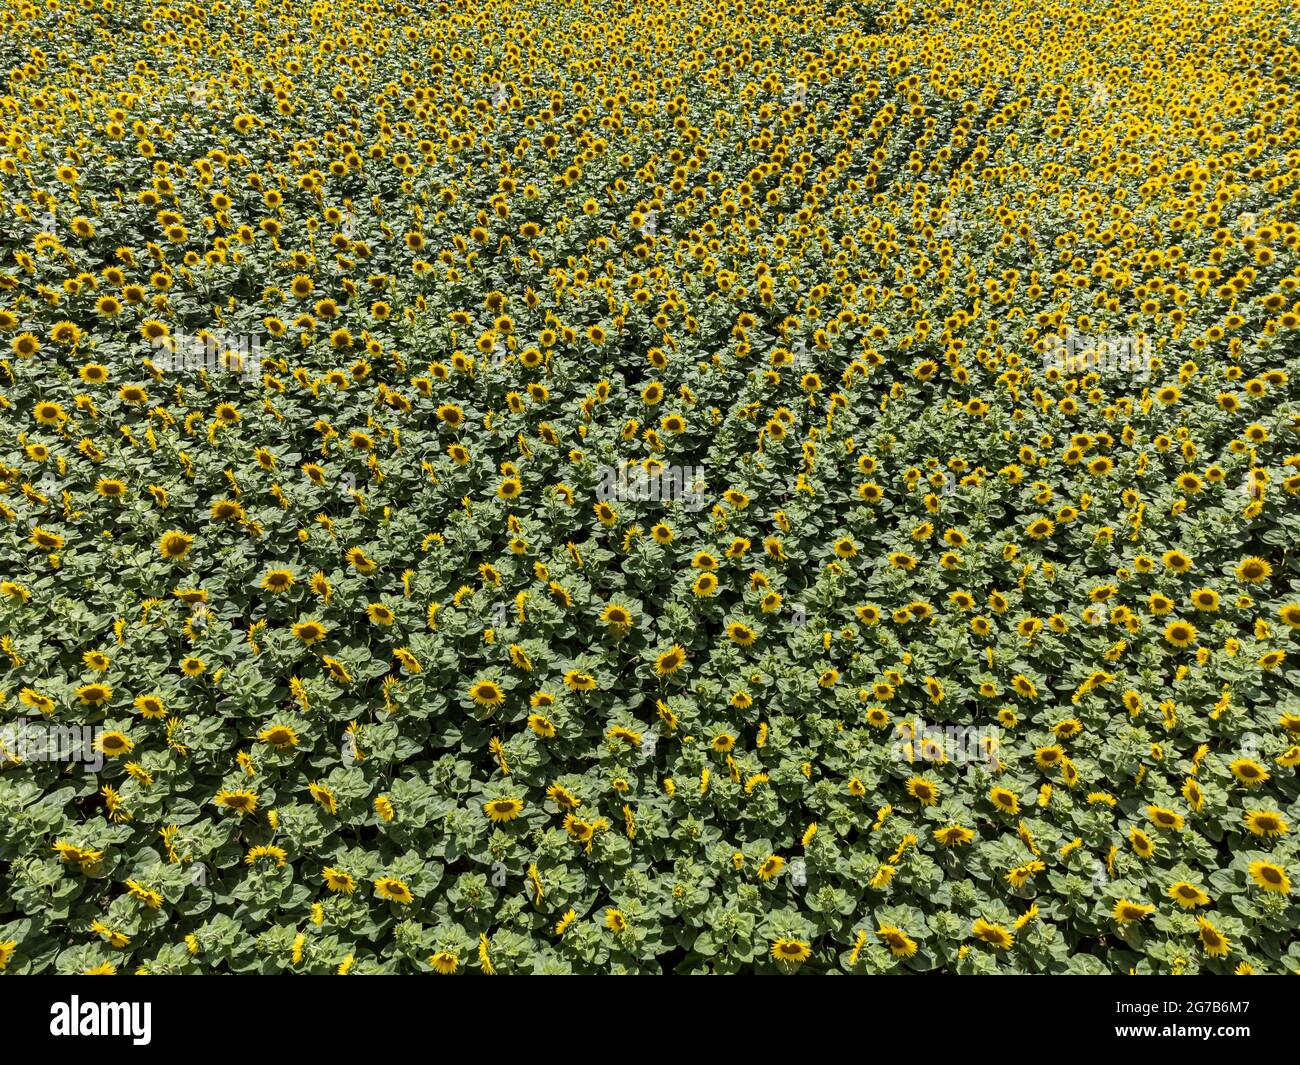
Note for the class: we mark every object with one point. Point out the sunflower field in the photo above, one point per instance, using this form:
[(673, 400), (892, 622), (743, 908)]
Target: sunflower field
[(677, 486)]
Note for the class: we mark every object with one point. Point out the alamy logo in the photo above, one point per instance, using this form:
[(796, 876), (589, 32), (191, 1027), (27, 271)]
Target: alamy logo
[(205, 350), (37, 740), (77, 1018), (1115, 353), (664, 484), (958, 744)]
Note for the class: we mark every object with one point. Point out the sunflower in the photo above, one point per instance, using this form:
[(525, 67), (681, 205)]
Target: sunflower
[(1005, 800), (993, 934), (1024, 687), (66, 334), (1049, 756), (1141, 843), (48, 413), (1270, 877), (1268, 823), (1160, 604), (790, 951), (278, 580), (562, 797), (267, 852), (723, 742), (1215, 942), (900, 944), (503, 810), (582, 831), (1187, 895), (114, 744), (94, 694), (487, 693), (151, 706), (542, 726), (1271, 660), (445, 962), (46, 540), (309, 631), (1248, 772), (705, 585), (96, 660), (241, 801), (380, 614), (1162, 817), (25, 345), (670, 661), (578, 681), (618, 618), (1254, 570), (281, 737), (954, 835), (359, 561), (36, 700), (175, 545), (924, 791), (116, 939), (1126, 912), (338, 880), (740, 633), (1019, 876), (226, 510), (394, 890), (15, 591)]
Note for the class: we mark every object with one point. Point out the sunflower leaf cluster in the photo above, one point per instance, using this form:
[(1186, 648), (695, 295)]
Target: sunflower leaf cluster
[(662, 487)]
